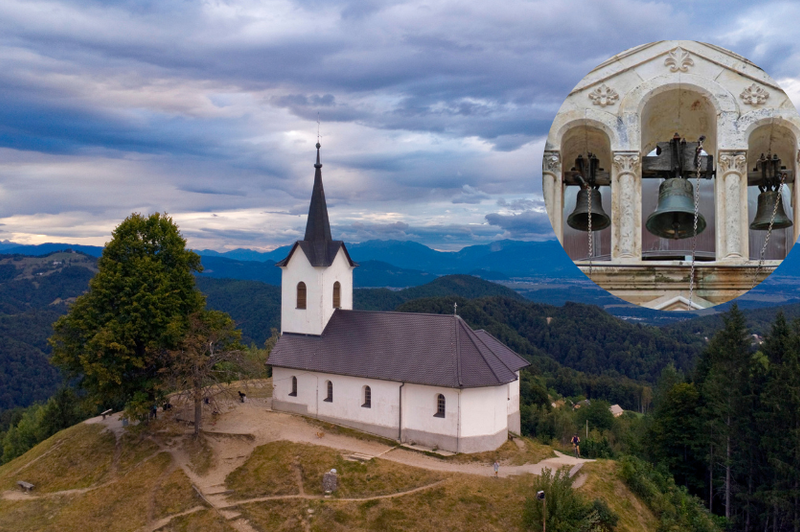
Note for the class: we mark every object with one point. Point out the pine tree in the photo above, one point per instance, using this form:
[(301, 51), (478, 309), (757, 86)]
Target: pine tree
[(726, 364), (780, 424)]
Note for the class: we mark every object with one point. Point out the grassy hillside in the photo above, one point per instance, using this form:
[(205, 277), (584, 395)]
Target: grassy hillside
[(87, 480)]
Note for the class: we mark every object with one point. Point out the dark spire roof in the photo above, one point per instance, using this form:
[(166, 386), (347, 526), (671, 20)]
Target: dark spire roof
[(318, 228), (318, 245)]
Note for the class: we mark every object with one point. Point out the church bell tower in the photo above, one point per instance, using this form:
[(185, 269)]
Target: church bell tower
[(317, 275)]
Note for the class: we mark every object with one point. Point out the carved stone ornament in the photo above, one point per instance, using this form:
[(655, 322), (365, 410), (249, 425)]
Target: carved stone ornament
[(551, 162), (733, 162), (627, 163), (603, 95), (678, 59), (754, 95)]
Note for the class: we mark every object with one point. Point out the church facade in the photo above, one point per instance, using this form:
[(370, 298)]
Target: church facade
[(427, 379)]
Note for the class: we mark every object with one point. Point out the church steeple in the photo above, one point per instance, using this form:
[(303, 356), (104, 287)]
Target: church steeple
[(318, 228), (317, 275)]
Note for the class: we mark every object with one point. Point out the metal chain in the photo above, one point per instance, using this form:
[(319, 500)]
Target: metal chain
[(696, 216), (591, 237), (769, 230)]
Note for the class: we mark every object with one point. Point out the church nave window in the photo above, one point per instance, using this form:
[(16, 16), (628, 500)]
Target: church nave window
[(367, 397), (293, 393), (337, 295), (301, 295), (329, 398), (439, 406)]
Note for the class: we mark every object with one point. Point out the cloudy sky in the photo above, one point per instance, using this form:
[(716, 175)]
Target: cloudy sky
[(433, 114)]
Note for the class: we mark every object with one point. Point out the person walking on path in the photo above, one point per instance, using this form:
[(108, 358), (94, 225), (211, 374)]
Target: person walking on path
[(496, 466), (576, 442)]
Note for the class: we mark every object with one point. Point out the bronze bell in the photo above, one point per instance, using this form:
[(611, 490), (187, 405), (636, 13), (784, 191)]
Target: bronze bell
[(579, 219), (766, 204), (674, 216)]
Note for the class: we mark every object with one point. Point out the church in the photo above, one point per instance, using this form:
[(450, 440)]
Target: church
[(426, 379)]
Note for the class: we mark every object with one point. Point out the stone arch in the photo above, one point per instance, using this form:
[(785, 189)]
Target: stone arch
[(773, 135), (582, 137), (724, 105), (564, 122)]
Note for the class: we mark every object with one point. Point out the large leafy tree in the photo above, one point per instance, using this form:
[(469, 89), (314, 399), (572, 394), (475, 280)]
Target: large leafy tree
[(116, 336)]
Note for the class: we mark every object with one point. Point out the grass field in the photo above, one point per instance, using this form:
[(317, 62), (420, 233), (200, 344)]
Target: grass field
[(278, 467)]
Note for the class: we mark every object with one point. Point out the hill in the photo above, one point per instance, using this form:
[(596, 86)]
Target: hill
[(369, 273), (34, 292), (98, 477)]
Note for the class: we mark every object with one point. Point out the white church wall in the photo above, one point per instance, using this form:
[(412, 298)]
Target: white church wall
[(514, 423), (305, 400), (420, 425), (341, 271), (308, 320), (484, 418), (381, 418), (319, 292)]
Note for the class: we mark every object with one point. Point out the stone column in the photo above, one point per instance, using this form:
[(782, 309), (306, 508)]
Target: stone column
[(794, 198), (730, 198), (553, 191), (626, 206)]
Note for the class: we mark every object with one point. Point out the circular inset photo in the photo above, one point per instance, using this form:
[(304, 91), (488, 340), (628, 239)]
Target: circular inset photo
[(669, 175)]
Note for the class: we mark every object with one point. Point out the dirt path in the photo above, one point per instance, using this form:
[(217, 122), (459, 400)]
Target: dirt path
[(355, 499)]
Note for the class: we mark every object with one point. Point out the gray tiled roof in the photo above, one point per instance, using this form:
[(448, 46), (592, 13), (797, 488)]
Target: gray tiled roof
[(432, 349)]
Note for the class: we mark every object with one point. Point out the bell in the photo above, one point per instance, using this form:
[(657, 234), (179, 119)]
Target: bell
[(579, 219), (766, 204), (674, 216)]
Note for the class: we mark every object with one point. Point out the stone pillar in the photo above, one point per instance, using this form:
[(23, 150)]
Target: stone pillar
[(626, 206), (794, 198), (553, 191), (730, 198)]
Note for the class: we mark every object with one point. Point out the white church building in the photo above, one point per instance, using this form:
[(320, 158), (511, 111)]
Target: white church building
[(427, 379)]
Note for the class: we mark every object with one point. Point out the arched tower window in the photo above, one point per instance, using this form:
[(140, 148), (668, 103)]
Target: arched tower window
[(367, 397), (439, 406), (293, 393), (337, 295), (329, 398), (301, 295)]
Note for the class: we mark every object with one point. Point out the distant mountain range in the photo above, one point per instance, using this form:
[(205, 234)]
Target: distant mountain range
[(501, 259), (541, 271)]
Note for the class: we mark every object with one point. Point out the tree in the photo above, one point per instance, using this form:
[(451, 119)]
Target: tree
[(208, 357), (780, 419), (597, 413), (672, 435), (137, 307), (724, 371)]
